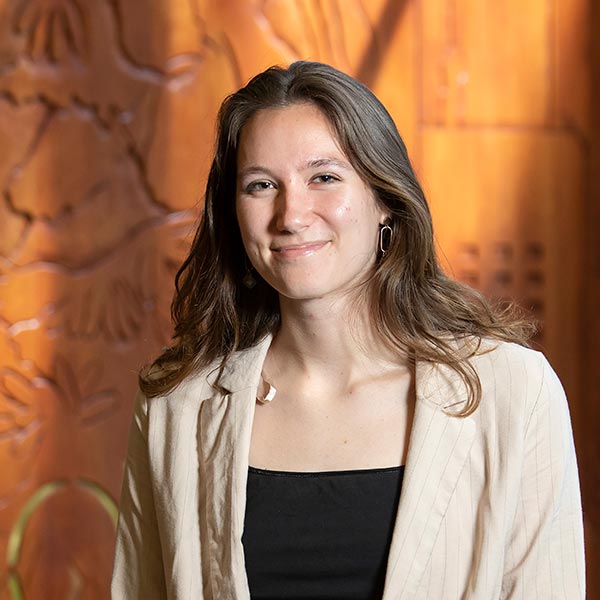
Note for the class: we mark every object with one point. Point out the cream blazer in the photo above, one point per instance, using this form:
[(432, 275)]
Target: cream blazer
[(490, 505)]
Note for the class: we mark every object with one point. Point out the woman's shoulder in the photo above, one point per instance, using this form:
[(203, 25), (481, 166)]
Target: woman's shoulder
[(197, 383), (497, 362), (507, 351), (509, 360), (516, 380), (220, 376)]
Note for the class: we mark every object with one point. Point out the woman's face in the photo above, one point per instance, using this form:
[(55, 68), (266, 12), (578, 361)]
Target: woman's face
[(308, 221)]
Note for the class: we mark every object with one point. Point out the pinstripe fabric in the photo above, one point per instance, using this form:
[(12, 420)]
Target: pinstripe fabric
[(490, 506)]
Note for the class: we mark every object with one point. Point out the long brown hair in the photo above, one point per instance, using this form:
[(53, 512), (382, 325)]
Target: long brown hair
[(414, 305)]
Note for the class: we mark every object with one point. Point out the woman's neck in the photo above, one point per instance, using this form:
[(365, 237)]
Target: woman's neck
[(327, 344)]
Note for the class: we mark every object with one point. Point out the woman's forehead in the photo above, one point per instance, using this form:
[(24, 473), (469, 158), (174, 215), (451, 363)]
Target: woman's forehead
[(300, 128)]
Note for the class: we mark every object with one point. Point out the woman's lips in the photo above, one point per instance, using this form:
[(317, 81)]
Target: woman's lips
[(297, 250)]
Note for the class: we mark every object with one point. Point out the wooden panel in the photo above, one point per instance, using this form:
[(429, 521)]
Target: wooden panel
[(508, 223), (573, 32), (392, 72), (486, 62)]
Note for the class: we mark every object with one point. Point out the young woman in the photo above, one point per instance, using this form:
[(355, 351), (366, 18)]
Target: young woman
[(336, 418)]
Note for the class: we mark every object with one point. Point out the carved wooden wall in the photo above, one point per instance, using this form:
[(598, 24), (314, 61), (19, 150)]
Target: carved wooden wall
[(106, 129)]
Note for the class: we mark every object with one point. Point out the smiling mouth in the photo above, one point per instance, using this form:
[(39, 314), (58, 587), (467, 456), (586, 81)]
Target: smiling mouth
[(297, 250)]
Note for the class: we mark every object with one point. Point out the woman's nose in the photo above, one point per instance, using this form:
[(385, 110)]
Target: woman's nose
[(294, 209)]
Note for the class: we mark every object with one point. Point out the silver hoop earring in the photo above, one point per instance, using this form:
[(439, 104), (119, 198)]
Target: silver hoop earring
[(386, 235)]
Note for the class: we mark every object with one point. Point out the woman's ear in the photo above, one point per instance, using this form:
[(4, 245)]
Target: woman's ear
[(385, 218)]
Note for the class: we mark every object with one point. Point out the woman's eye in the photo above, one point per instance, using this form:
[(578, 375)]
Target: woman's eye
[(258, 186), (326, 178)]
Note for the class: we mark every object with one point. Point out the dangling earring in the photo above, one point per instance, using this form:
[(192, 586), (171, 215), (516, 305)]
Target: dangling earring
[(386, 236), (248, 279)]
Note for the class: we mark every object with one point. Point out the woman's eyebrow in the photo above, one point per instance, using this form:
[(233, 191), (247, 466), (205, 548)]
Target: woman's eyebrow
[(328, 162), (253, 170), (313, 163)]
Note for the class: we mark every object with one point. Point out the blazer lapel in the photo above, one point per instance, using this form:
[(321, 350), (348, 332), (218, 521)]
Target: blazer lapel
[(224, 444), (439, 446)]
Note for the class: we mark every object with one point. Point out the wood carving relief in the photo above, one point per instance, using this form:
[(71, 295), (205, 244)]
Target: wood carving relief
[(106, 128), (107, 114)]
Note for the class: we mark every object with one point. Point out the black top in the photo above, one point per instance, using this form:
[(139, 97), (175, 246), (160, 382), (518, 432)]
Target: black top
[(322, 535)]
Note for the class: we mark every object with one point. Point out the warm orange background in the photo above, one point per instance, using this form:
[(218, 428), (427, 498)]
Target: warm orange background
[(106, 125)]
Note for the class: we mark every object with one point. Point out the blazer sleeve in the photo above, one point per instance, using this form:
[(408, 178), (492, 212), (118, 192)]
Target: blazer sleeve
[(545, 557), (138, 567)]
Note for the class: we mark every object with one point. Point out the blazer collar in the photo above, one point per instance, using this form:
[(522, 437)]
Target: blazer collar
[(244, 368)]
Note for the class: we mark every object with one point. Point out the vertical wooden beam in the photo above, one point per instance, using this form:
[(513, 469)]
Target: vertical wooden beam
[(589, 439)]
